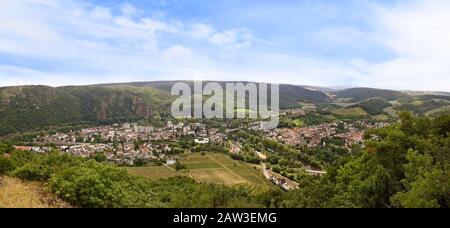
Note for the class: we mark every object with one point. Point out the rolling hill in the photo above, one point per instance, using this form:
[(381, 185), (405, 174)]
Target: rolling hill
[(374, 106), (24, 108), (30, 107), (290, 95), (360, 94)]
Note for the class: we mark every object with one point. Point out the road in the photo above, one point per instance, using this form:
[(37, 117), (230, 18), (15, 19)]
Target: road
[(265, 171)]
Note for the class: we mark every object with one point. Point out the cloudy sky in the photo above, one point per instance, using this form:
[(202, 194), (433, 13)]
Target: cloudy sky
[(395, 44)]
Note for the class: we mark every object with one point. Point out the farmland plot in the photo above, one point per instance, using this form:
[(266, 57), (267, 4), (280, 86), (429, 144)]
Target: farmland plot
[(153, 172), (211, 168)]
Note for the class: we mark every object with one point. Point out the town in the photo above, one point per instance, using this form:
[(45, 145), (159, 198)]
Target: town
[(131, 144), (350, 132), (125, 143)]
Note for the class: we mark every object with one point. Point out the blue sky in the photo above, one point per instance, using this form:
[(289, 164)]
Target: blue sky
[(396, 44)]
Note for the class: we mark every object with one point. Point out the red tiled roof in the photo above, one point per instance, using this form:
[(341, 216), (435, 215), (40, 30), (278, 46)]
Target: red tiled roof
[(22, 148)]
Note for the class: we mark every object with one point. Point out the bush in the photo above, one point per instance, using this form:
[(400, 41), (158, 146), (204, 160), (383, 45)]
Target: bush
[(6, 165), (95, 185), (6, 148), (100, 157), (43, 167), (89, 184)]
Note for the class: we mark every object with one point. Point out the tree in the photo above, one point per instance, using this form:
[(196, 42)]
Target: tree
[(6, 165), (427, 185), (6, 148), (405, 165), (179, 166), (100, 157)]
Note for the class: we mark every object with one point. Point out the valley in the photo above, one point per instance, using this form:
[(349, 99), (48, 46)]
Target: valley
[(50, 134)]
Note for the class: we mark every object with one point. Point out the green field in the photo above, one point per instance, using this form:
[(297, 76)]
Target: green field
[(381, 117), (350, 112), (298, 123), (345, 104), (330, 117), (308, 106), (390, 111), (210, 168), (417, 102), (395, 103), (438, 110)]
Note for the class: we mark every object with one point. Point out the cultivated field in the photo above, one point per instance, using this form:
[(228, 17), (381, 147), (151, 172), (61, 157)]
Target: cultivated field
[(390, 111), (381, 117), (154, 172), (210, 168), (438, 110), (351, 112)]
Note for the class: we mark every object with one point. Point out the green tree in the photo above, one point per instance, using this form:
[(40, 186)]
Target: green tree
[(100, 157), (6, 165), (427, 185), (179, 166)]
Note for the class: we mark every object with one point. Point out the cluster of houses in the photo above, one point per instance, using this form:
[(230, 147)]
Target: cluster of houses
[(37, 149), (118, 141), (312, 136), (298, 111), (126, 132), (87, 150), (235, 147), (279, 180), (283, 182)]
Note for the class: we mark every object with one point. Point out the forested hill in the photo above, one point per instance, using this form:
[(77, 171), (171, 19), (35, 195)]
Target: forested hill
[(290, 95), (30, 107), (360, 94)]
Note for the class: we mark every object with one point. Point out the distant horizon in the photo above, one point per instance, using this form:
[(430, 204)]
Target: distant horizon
[(311, 87)]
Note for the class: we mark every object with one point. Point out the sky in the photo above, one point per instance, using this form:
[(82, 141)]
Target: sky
[(395, 44)]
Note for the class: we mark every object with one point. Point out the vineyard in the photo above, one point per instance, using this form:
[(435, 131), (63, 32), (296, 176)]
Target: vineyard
[(216, 176), (210, 168), (154, 172)]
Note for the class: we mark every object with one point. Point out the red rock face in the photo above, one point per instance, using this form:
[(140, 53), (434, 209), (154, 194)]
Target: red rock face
[(103, 113), (138, 106), (141, 108)]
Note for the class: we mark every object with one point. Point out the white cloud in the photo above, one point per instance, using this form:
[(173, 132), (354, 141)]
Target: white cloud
[(341, 35), (228, 39), (129, 10), (421, 30), (85, 43), (178, 53), (419, 36), (67, 29), (201, 31), (236, 37), (101, 13)]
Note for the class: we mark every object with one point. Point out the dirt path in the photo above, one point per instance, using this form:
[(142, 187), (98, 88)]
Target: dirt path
[(265, 171)]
